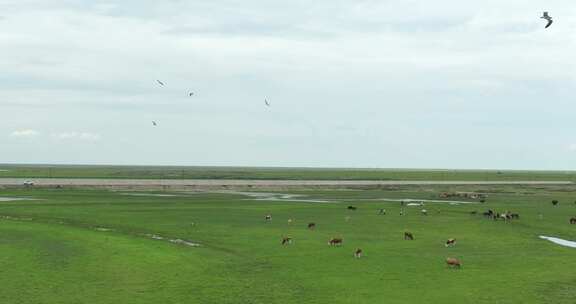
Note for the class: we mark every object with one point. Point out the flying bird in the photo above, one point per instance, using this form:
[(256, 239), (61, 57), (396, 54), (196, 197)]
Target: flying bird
[(191, 94), (154, 123), (267, 102), (547, 17), (160, 82)]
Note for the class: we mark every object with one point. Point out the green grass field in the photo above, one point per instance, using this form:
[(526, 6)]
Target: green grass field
[(51, 252), (135, 172)]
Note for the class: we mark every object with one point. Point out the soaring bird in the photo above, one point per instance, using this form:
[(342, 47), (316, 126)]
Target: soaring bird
[(191, 94), (547, 17), (267, 102), (154, 123), (160, 82)]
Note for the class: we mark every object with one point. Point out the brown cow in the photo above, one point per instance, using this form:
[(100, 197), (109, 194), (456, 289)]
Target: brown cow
[(286, 240), (408, 236), (335, 242), (358, 253), (573, 220), (450, 242), (453, 262), (311, 225)]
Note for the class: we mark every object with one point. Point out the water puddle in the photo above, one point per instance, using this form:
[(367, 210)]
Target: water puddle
[(559, 241), (183, 242), (13, 199), (415, 204), (105, 229), (418, 202), (174, 241), (14, 218), (102, 229), (151, 194), (278, 197)]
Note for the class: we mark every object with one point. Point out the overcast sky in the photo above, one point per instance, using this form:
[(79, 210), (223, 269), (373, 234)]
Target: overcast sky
[(352, 83)]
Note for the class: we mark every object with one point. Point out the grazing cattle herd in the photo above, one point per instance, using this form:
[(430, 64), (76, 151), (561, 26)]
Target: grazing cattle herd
[(451, 242), (469, 195), (506, 216)]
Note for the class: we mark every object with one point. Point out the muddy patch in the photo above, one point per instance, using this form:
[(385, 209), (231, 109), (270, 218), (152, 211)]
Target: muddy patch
[(559, 241)]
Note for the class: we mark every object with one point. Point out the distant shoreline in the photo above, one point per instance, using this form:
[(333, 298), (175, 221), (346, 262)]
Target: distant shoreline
[(275, 174), (94, 182)]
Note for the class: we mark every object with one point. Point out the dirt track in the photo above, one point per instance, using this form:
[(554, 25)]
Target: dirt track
[(247, 183)]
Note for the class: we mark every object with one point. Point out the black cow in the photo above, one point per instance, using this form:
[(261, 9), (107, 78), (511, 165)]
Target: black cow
[(488, 213), (335, 242)]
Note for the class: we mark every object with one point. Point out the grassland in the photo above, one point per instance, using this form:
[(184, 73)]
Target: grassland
[(51, 251), (136, 172)]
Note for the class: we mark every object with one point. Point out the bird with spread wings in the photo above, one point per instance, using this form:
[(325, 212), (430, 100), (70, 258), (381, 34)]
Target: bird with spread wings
[(547, 17)]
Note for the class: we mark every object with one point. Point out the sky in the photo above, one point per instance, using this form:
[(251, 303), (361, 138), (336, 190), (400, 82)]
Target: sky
[(352, 83)]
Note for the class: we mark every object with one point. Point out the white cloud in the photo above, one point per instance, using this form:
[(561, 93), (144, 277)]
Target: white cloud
[(83, 136), (27, 133), (344, 77)]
